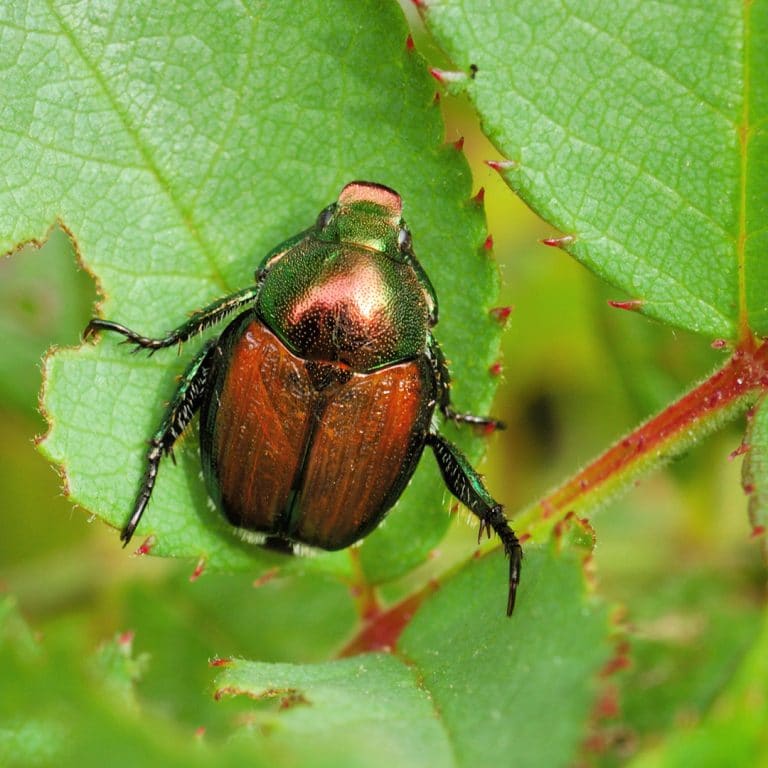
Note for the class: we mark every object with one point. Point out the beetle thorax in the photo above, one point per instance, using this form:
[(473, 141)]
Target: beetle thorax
[(348, 305)]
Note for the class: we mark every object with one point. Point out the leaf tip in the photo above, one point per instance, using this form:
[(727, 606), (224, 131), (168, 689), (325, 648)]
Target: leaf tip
[(198, 571), (502, 166), (558, 242), (146, 546), (500, 314), (630, 305)]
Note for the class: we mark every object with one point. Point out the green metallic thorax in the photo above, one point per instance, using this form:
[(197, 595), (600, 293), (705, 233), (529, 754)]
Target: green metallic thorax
[(348, 291)]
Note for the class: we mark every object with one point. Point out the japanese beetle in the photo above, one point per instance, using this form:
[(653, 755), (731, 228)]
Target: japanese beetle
[(316, 401)]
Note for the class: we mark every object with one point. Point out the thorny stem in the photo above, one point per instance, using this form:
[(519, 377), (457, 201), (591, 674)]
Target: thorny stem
[(726, 393), (729, 391)]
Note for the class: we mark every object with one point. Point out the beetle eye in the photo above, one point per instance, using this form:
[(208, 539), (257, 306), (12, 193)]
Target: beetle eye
[(325, 216), (404, 239)]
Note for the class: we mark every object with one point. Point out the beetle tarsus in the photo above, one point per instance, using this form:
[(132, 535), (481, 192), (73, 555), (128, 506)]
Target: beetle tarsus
[(465, 484), (470, 418), (512, 549)]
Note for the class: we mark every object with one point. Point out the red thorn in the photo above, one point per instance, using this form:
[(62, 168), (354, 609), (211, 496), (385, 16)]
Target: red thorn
[(126, 638), (631, 305), (495, 369), (200, 731), (436, 100), (616, 664), (523, 537), (448, 75), (459, 144), (607, 704), (454, 510), (146, 546), (501, 165), (480, 196), (199, 568), (266, 577), (558, 242), (500, 314), (547, 510), (409, 44), (740, 451), (749, 488), (719, 344), (219, 662), (488, 244), (558, 529), (757, 530), (420, 4)]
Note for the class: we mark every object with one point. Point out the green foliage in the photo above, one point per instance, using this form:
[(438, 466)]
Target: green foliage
[(465, 686), (175, 144), (625, 134)]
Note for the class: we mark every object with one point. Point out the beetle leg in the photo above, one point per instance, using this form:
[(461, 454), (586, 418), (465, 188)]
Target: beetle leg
[(197, 323), (465, 484), (443, 378), (178, 414)]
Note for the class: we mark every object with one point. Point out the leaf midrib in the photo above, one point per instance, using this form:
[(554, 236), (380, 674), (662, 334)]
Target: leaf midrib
[(743, 135)]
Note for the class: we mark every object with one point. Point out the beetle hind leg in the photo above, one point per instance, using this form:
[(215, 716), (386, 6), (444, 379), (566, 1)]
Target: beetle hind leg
[(185, 403), (465, 484)]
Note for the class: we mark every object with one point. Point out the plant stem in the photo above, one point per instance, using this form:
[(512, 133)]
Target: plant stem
[(726, 393)]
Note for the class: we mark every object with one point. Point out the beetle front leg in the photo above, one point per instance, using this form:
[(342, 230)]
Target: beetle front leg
[(465, 484), (443, 378), (185, 403), (197, 323)]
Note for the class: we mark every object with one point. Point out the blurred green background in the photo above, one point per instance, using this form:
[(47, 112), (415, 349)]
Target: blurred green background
[(576, 374)]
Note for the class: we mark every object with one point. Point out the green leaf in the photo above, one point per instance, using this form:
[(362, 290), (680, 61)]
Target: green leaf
[(638, 129), (734, 732), (43, 300), (520, 687), (467, 686), (368, 710), (178, 145), (63, 705)]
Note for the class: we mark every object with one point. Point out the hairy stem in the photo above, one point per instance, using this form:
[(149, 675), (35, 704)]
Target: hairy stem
[(727, 392)]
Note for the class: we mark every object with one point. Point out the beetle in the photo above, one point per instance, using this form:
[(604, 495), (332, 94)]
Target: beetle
[(317, 400)]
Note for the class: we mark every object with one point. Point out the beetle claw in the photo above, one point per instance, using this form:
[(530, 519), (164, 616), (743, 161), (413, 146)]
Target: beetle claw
[(515, 554)]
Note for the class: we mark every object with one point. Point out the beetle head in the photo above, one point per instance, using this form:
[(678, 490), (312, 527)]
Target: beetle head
[(367, 215)]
